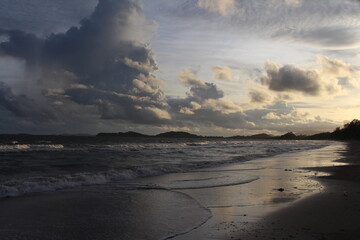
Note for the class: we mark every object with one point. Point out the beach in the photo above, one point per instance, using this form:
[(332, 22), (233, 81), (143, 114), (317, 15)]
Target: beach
[(181, 120), (289, 195), (330, 214)]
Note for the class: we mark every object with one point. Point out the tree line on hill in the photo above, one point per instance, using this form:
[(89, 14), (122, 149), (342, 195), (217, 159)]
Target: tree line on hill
[(350, 131)]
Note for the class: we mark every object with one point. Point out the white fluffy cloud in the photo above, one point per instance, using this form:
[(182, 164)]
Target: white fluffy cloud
[(222, 73), (259, 96), (189, 78), (223, 7), (205, 105)]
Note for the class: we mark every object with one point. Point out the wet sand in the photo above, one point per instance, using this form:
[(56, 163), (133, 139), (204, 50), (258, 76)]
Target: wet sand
[(333, 213), (106, 213), (239, 210)]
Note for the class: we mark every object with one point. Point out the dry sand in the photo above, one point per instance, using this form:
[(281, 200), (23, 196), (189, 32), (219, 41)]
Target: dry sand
[(331, 214)]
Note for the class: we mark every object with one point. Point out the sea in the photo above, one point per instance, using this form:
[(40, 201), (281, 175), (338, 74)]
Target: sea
[(148, 188), (43, 166)]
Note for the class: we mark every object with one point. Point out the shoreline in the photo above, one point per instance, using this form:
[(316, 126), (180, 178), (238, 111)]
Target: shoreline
[(236, 209), (232, 199), (331, 214)]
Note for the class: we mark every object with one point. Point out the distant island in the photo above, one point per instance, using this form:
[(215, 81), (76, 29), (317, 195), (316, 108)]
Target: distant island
[(350, 131)]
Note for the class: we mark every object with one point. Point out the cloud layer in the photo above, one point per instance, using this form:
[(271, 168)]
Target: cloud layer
[(100, 64), (102, 72), (327, 24)]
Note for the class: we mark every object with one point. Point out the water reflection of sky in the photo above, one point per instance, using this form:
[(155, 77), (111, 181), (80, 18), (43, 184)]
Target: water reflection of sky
[(240, 204)]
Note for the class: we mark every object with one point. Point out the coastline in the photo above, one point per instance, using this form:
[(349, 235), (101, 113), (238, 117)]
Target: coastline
[(237, 210), (330, 214), (232, 201)]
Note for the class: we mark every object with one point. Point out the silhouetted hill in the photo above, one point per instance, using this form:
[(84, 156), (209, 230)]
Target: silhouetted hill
[(107, 135), (237, 137), (122, 134), (260, 136), (173, 134), (320, 136), (288, 136), (256, 136)]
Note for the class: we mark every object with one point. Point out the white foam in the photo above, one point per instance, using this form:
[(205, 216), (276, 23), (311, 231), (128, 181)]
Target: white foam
[(43, 184), (30, 147), (147, 159), (18, 187)]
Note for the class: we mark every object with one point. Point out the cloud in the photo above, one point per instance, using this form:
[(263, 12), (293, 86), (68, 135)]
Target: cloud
[(222, 73), (223, 7), (271, 116), (205, 105), (347, 74), (189, 78), (23, 107), (234, 7), (258, 96), (41, 16), (333, 37), (294, 115), (208, 91), (330, 80), (295, 3), (104, 56), (199, 88), (223, 105), (291, 78), (281, 117), (326, 24)]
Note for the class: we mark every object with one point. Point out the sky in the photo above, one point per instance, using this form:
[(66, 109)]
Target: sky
[(210, 67)]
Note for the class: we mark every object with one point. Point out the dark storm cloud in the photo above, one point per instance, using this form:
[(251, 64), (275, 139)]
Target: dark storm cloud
[(23, 107), (209, 90), (43, 16), (21, 45), (330, 79), (101, 63), (291, 78), (116, 106)]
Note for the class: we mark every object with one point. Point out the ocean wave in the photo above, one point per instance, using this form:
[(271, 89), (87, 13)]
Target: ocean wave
[(139, 160), (18, 187), (30, 147)]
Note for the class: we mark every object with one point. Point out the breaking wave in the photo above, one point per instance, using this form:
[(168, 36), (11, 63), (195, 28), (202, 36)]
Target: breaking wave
[(30, 168), (30, 147)]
